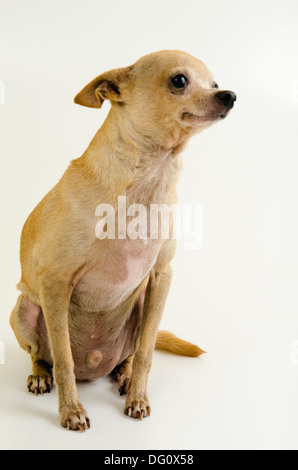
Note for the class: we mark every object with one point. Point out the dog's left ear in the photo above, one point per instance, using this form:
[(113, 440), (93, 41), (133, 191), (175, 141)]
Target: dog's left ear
[(108, 86)]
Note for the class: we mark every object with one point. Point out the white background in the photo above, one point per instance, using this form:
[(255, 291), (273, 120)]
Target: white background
[(237, 296)]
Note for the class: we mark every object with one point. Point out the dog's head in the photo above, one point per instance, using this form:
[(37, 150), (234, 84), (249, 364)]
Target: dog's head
[(167, 93)]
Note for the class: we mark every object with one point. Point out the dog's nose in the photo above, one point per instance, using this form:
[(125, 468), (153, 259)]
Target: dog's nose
[(227, 98)]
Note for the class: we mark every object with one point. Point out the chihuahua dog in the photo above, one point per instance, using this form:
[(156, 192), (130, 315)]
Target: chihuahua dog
[(91, 304)]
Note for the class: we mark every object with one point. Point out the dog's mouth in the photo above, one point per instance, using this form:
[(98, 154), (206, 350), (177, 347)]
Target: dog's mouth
[(188, 116)]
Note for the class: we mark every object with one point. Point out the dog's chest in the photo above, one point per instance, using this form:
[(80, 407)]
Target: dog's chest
[(132, 241), (116, 274)]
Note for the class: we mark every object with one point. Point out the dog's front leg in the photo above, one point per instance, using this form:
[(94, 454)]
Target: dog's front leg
[(55, 298), (137, 403)]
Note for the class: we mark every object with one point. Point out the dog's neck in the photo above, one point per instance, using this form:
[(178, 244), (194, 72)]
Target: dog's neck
[(118, 156)]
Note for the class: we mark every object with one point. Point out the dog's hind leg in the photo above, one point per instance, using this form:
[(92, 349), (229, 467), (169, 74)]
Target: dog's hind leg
[(123, 374), (27, 323)]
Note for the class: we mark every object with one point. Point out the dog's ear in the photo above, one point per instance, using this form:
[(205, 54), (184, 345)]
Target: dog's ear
[(108, 86)]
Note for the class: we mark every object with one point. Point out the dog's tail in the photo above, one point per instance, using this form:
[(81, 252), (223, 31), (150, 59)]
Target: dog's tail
[(167, 341)]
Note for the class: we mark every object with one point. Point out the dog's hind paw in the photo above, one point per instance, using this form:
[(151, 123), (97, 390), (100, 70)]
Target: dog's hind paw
[(39, 384), (123, 383), (123, 375)]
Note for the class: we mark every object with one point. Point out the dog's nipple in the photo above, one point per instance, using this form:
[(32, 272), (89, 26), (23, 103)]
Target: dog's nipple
[(93, 359)]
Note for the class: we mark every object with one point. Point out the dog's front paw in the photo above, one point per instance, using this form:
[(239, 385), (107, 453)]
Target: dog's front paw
[(137, 408), (39, 384), (75, 419)]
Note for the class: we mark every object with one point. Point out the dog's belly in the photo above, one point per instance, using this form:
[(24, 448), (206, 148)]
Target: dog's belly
[(115, 275), (99, 342), (105, 342)]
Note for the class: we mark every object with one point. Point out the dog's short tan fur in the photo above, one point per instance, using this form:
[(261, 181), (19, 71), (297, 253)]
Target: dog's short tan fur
[(88, 306)]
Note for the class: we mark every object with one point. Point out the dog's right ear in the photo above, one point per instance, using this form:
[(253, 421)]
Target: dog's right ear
[(110, 85)]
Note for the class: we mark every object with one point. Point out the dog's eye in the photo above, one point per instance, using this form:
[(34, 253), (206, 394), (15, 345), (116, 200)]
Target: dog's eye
[(214, 85), (179, 81)]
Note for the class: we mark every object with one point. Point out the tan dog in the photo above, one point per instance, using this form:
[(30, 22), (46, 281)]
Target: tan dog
[(91, 306)]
